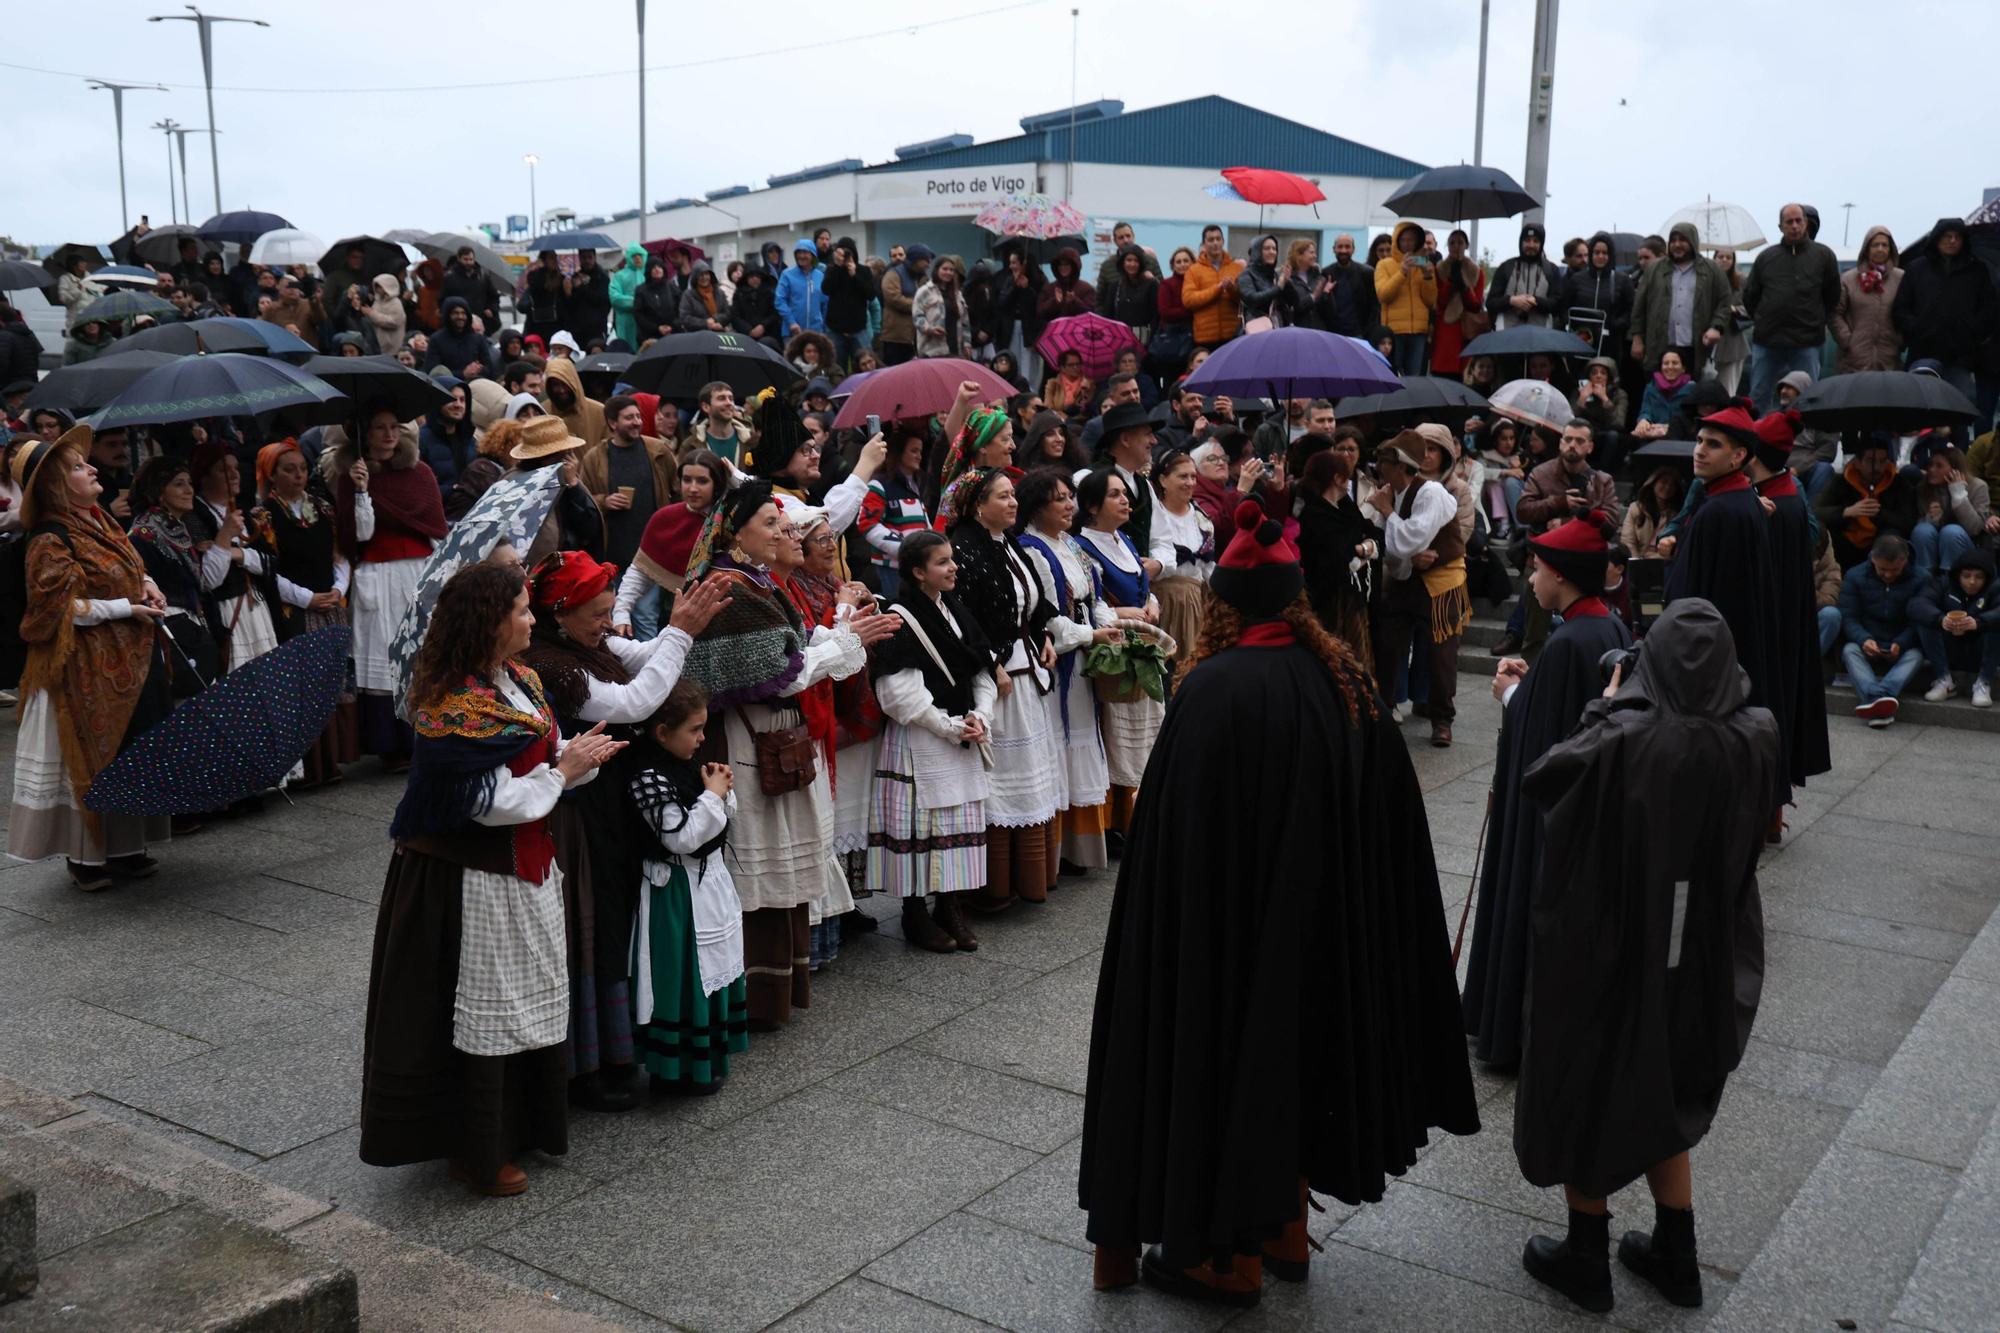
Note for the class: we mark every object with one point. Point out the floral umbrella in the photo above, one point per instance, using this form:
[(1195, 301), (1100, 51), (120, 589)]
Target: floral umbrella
[(1036, 216), (1093, 337)]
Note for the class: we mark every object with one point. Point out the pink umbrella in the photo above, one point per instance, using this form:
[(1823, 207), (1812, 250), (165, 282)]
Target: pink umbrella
[(1093, 337), (918, 388)]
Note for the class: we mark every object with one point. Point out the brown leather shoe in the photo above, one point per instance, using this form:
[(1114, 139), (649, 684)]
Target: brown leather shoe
[(1441, 735), (951, 919), (510, 1181), (1288, 1256), (920, 930), (1240, 1285)]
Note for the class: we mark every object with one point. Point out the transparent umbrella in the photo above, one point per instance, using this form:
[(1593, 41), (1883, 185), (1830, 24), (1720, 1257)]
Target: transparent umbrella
[(1722, 226)]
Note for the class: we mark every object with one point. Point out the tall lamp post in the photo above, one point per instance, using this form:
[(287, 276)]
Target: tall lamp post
[(206, 23), (534, 217), (1541, 107), (118, 91), (167, 126), (1479, 112), (642, 119), (181, 133)]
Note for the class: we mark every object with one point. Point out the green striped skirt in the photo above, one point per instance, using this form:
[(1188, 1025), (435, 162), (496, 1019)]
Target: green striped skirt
[(689, 1036)]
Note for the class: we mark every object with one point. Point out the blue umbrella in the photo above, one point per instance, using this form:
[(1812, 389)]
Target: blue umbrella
[(1528, 340), (237, 737), (220, 334), (1460, 192), (1294, 363), (228, 384), (240, 227), (572, 240), (89, 385), (120, 306), (1223, 190)]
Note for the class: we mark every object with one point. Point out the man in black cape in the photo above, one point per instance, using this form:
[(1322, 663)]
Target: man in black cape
[(1725, 557), (1276, 1011), (1542, 705), (1798, 692), (1646, 952)]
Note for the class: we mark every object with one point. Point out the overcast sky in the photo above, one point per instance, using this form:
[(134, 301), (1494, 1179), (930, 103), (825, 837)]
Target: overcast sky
[(1828, 101)]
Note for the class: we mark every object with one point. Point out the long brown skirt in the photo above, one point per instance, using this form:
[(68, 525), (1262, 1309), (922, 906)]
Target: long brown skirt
[(777, 952), (339, 744), (421, 1097)]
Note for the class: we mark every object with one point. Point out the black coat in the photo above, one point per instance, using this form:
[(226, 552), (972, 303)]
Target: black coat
[(587, 308), (847, 297), (1604, 289), (1544, 709), (1633, 1026), (1945, 308), (1328, 534), (1798, 691), (1352, 308), (754, 307), (476, 289), (1275, 1002), (654, 308), (20, 353)]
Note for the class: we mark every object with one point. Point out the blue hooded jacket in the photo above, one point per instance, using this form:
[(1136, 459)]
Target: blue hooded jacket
[(801, 301)]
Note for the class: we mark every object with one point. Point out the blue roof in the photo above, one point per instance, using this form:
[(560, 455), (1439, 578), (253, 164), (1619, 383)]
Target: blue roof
[(1201, 132)]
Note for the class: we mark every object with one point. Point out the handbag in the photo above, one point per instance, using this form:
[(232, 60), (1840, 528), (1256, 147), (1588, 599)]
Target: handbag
[(1473, 323), (1171, 344), (785, 760)]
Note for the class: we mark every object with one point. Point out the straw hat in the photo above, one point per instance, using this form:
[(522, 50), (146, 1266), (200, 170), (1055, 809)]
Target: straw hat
[(544, 436), (28, 460)]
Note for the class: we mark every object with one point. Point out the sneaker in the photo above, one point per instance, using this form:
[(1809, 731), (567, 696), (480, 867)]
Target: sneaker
[(1842, 681), (1941, 689), (1982, 694), (1878, 714)]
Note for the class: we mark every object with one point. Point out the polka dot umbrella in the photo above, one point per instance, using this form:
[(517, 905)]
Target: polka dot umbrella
[(236, 738)]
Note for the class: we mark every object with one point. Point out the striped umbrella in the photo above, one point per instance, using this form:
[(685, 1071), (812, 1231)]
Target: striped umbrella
[(1035, 216), (1093, 337)]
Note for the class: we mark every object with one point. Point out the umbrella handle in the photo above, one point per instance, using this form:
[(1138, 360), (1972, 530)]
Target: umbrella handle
[(167, 634)]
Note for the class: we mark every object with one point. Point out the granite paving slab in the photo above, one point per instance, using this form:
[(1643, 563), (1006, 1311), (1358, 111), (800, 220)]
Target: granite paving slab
[(861, 1306), (68, 1047), (968, 1097)]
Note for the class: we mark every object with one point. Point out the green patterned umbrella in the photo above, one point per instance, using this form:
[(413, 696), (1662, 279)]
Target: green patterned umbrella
[(120, 306), (225, 384)]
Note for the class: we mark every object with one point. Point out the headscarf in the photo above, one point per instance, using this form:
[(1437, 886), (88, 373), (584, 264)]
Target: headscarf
[(978, 432), (718, 529), (960, 493), (267, 460)]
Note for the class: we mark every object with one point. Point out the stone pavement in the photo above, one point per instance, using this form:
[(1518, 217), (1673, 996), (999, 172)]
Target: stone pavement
[(903, 1157)]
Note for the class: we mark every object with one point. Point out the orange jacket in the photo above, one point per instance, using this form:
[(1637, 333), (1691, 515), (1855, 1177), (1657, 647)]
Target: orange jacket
[(1407, 298), (1218, 314)]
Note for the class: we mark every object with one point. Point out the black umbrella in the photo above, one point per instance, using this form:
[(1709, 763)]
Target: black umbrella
[(89, 385), (1527, 340), (1890, 400), (57, 261), (369, 381), (219, 334), (161, 247), (377, 256), (240, 227), (677, 365), (1040, 250), (1422, 398), (18, 275), (1460, 192), (601, 371), (571, 240), (230, 384), (234, 739), (116, 307), (1667, 450)]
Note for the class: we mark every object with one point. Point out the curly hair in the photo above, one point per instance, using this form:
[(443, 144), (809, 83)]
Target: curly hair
[(459, 640), (155, 475), (499, 440), (1222, 626)]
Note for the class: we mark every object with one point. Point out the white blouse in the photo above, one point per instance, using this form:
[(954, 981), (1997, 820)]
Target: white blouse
[(656, 667), (1171, 530)]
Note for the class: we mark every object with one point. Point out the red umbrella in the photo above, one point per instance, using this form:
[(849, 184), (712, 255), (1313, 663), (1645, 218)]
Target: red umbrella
[(918, 389), (1093, 337), (665, 247), (1263, 185)]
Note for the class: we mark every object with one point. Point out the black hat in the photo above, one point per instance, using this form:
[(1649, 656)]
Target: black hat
[(781, 433), (1121, 418)]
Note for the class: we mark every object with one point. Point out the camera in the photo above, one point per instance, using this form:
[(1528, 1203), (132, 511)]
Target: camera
[(1627, 658)]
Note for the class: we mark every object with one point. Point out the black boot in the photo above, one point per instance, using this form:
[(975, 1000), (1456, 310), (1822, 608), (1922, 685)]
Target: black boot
[(1666, 1258), (1579, 1265), (951, 920), (924, 933)]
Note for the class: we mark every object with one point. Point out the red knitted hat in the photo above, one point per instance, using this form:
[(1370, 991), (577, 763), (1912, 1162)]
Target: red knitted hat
[(1259, 571), (1775, 434)]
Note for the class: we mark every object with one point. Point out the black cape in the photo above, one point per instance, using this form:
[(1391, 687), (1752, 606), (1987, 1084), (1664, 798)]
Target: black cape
[(1725, 557), (1542, 712), (1655, 811), (1276, 998), (1798, 693)]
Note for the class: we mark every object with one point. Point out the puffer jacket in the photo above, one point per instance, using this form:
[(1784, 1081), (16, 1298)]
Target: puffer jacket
[(694, 313), (1862, 323), (1408, 296), (1063, 296), (1259, 284), (1216, 311), (802, 294), (1942, 594), (1136, 304)]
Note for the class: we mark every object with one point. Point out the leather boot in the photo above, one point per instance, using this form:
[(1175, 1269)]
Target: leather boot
[(1114, 1266), (1579, 1265), (1241, 1284), (507, 1182), (951, 920), (920, 930), (1666, 1258), (1288, 1256)]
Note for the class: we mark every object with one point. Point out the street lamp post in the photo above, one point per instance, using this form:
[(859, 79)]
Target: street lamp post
[(642, 120), (738, 220), (1479, 111), (181, 133), (167, 126), (534, 218), (206, 23), (118, 91)]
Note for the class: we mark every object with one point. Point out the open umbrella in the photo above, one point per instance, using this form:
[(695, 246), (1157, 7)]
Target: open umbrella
[(1422, 398), (1031, 215), (1093, 337), (1460, 192), (219, 333), (241, 227), (443, 246), (1984, 215), (161, 247), (1263, 185), (1039, 249), (852, 384), (667, 246), (1294, 363), (115, 306), (18, 275), (126, 275), (1667, 450), (572, 240), (58, 260), (236, 738), (918, 388), (1527, 340), (89, 385), (370, 381), (601, 372), (1890, 400), (1532, 402), (287, 246), (1722, 226), (377, 256), (228, 384), (677, 365), (511, 510)]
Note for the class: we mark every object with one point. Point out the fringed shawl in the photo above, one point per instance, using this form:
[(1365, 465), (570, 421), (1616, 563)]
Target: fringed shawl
[(754, 648)]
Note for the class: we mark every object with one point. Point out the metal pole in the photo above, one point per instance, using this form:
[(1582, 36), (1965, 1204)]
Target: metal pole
[(1845, 224), (167, 126), (205, 24), (534, 217), (1541, 101), (118, 91), (1479, 111), (642, 120), (1069, 172)]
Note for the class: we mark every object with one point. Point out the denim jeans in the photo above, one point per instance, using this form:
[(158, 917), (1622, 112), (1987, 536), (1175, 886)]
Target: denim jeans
[(846, 346), (1768, 365), (1934, 548), (1829, 629), (1961, 652), (1814, 479), (1868, 685), (1412, 353), (1511, 488), (646, 618)]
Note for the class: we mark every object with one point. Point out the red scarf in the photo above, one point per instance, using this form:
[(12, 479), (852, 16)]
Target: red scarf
[(1266, 634), (407, 504)]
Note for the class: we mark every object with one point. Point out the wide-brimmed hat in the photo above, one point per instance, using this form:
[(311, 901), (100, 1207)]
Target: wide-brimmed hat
[(544, 436), (28, 460)]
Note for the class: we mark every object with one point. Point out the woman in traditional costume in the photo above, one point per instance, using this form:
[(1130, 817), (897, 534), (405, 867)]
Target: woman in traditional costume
[(668, 540), (313, 578), (468, 995), (238, 564), (1104, 506)]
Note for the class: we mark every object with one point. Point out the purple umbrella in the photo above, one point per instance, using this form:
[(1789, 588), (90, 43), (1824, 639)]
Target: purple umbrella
[(1294, 363)]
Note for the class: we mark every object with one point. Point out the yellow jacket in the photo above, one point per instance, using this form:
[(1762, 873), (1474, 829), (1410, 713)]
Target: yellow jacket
[(1218, 314), (1408, 296)]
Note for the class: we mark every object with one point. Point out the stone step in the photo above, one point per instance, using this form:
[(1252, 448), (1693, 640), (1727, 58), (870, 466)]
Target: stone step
[(1953, 1287), (190, 1268), (18, 1269)]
